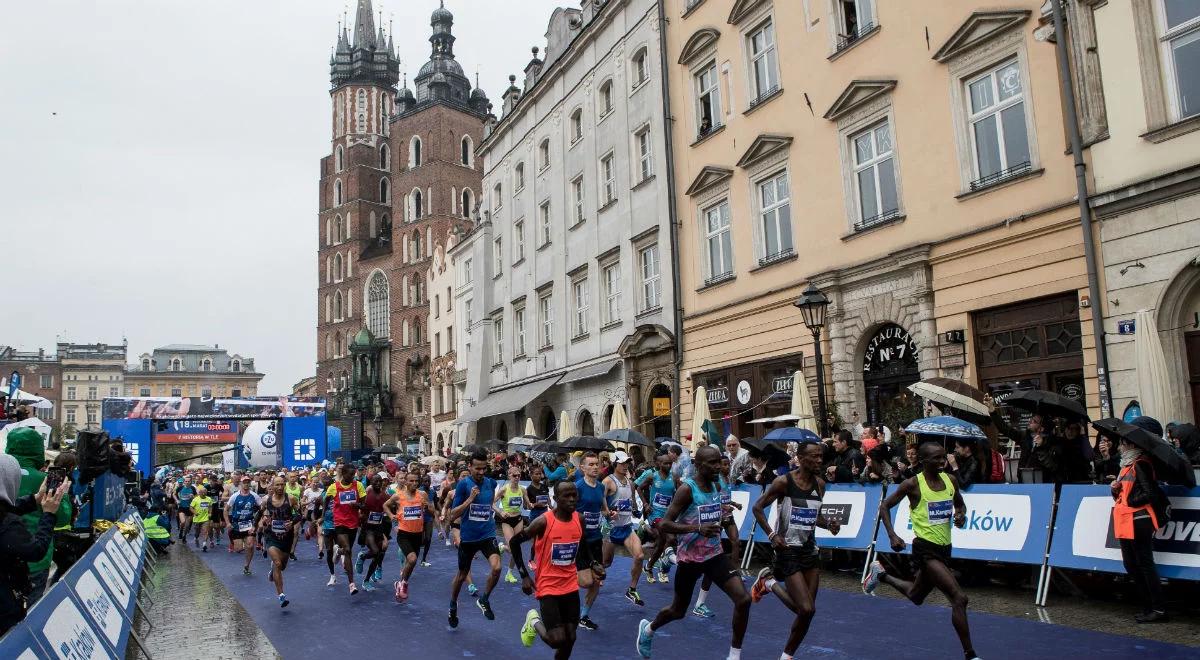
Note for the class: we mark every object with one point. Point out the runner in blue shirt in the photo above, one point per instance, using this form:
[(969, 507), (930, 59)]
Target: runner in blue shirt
[(657, 487), (240, 511), (592, 505), (472, 504), (184, 495)]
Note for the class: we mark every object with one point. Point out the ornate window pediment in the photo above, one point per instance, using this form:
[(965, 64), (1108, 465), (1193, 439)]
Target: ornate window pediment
[(764, 146), (979, 27), (742, 9), (709, 176), (857, 94), (697, 44)]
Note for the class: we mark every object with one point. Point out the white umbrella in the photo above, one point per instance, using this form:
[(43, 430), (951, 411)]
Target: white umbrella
[(564, 426), (529, 430), (1152, 374), (761, 420), (619, 420), (801, 403), (699, 415)]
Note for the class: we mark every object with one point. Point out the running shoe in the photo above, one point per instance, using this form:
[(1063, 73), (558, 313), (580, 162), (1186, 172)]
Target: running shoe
[(204, 548), (670, 556), (528, 634), (663, 577), (283, 601), (358, 563), (473, 590), (871, 581), (292, 556), (425, 564), (644, 638), (486, 608), (337, 553), (501, 547), (245, 570), (447, 542), (703, 611), (759, 589), (587, 624), (320, 555), (332, 581), (633, 596), (509, 577), (353, 589), (453, 618), (377, 576), (650, 575), (404, 590), (369, 584)]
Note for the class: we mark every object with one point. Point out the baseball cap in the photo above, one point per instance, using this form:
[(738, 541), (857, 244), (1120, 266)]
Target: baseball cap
[(621, 457)]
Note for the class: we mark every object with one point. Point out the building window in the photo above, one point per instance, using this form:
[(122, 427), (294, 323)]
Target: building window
[(518, 241), (645, 153), (1181, 55), (651, 283), (640, 69), (855, 19), (145, 365), (544, 154), (235, 393), (996, 114), (608, 179), (764, 62), (418, 330), (775, 215), (519, 331), (339, 268), (362, 99), (378, 304), (419, 404), (339, 159), (91, 417), (114, 391), (497, 198), (576, 125), (417, 250), (145, 391), (385, 191), (518, 178), (385, 157), (468, 203), (498, 331), (467, 156), (544, 222), (360, 123), (577, 199), (418, 204), (606, 98), (176, 392), (466, 272), (339, 229), (546, 313), (414, 151), (45, 382), (612, 293), (468, 318), (71, 412), (206, 392), (337, 306), (874, 175), (581, 305), (206, 364), (70, 393), (92, 392), (176, 364), (718, 243), (497, 257), (708, 100), (337, 192)]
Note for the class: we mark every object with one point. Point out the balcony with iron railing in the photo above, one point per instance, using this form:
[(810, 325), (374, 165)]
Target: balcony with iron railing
[(1001, 176), (782, 255), (719, 278), (877, 219), (854, 36), (764, 96)]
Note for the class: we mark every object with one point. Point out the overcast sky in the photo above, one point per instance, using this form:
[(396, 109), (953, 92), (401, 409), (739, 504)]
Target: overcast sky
[(160, 163)]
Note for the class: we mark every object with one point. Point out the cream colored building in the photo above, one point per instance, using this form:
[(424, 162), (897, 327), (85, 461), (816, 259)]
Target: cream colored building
[(90, 373), (1147, 191), (443, 395), (907, 159), (190, 370)]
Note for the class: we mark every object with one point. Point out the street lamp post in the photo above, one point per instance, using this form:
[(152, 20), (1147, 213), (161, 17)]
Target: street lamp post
[(813, 305)]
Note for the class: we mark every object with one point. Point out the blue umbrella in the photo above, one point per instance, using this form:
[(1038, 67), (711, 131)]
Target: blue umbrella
[(791, 434), (946, 427)]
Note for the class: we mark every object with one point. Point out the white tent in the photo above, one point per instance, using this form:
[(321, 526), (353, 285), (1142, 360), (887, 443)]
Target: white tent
[(34, 423)]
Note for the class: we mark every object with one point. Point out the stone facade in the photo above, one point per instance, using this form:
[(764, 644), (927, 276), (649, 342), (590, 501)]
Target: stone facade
[(41, 375), (192, 371)]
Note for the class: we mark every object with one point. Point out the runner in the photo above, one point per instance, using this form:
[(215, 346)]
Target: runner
[(591, 506), (329, 533), (657, 487), (558, 547), (311, 502), (240, 511), (618, 491), (427, 531), (445, 495), (796, 569), (295, 490), (374, 534), (730, 543), (934, 497), (183, 497), (700, 553), (216, 518), (408, 509), (537, 493), (473, 497), (454, 537), (281, 514), (510, 500), (347, 504), (201, 506)]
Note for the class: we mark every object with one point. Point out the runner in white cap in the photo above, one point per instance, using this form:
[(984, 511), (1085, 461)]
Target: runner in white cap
[(619, 491)]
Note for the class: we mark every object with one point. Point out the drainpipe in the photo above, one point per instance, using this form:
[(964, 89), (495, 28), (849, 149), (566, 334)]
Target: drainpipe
[(1085, 212), (672, 209)]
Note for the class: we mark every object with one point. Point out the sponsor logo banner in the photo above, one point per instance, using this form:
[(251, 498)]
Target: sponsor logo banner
[(265, 407), (176, 431)]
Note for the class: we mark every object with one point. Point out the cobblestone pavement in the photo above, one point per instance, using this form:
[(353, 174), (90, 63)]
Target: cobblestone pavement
[(194, 616)]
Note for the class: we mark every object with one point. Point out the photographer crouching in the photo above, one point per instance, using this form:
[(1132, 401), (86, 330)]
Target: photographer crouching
[(18, 548)]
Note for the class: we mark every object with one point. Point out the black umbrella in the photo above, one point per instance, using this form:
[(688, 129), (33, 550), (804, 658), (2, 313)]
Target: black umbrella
[(628, 436), (549, 448), (585, 443), (1169, 465), (762, 446), (1046, 403)]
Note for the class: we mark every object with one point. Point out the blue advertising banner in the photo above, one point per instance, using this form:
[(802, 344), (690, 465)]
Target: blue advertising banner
[(138, 439), (854, 506), (20, 644), (304, 441), (1005, 522), (65, 630), (1083, 533)]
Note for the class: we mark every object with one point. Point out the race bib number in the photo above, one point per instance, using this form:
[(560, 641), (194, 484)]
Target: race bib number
[(623, 506), (709, 513), (591, 520), (803, 518), (726, 497), (940, 512), (480, 513), (514, 502), (374, 517), (204, 505), (662, 500), (245, 526), (347, 497), (279, 527), (413, 512), (563, 554), (542, 500)]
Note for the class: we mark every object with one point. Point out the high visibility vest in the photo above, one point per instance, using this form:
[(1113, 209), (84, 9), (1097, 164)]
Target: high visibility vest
[(154, 531), (1123, 513)]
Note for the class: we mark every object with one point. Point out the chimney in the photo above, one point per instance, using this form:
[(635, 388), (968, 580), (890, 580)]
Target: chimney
[(511, 96)]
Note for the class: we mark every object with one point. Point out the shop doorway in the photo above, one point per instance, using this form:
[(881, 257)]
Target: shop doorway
[(660, 408), (549, 425), (889, 367)]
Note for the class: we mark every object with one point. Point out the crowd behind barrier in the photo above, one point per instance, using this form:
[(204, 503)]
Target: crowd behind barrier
[(88, 614)]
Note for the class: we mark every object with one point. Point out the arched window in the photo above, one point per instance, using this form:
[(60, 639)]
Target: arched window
[(362, 100), (328, 309), (497, 199), (385, 157), (328, 231), (337, 192), (145, 364), (206, 364), (404, 333), (378, 305), (468, 204), (337, 305), (641, 69), (176, 364), (236, 366), (360, 123), (417, 324), (339, 159), (339, 229), (328, 346), (337, 344), (468, 151), (383, 112), (339, 270), (577, 125), (606, 98), (385, 191), (417, 205), (544, 154), (414, 151), (345, 378), (586, 425), (385, 228), (415, 245), (518, 177)]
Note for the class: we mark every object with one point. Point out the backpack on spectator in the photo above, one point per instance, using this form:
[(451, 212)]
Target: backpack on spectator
[(997, 475)]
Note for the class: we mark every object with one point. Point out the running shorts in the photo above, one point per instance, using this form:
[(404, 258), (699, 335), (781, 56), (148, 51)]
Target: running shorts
[(619, 534), (349, 532), (511, 521), (187, 512), (409, 542), (688, 573), (467, 550), (384, 530), (560, 610), (794, 560), (596, 549), (284, 544), (923, 551)]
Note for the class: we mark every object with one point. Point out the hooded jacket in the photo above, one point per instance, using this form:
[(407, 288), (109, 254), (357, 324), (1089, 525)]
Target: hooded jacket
[(28, 448), (17, 547)]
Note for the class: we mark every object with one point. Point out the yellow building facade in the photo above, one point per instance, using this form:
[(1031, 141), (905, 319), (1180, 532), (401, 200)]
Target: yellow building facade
[(185, 370)]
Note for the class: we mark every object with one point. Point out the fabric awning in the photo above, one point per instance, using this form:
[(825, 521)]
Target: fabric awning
[(508, 400), (588, 372)]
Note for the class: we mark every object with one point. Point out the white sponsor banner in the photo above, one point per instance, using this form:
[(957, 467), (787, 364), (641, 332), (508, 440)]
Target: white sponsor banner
[(1090, 533), (100, 605), (69, 636)]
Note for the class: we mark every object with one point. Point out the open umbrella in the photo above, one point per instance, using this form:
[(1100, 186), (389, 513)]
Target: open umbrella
[(699, 415), (585, 443), (432, 460), (787, 434), (952, 393), (801, 403), (761, 445), (945, 427), (1047, 403), (1169, 465), (628, 436)]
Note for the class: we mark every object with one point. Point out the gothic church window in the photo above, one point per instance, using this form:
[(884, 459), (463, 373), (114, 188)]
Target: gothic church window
[(377, 306)]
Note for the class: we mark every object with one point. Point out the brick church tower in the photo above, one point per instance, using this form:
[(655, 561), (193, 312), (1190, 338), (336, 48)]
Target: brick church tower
[(401, 176)]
